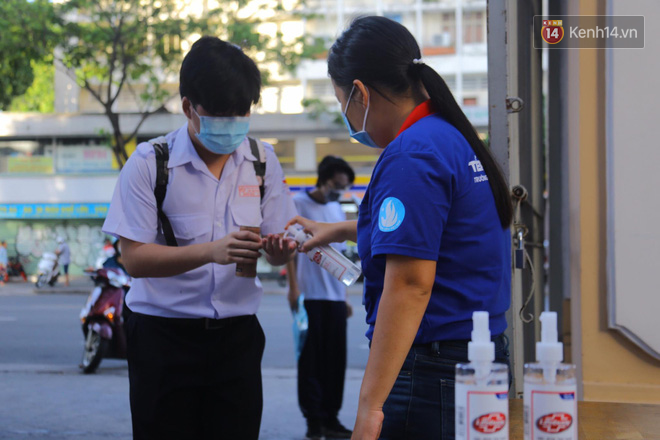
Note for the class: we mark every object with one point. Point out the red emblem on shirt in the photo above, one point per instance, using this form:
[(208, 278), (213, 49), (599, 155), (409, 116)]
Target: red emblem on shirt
[(490, 423), (554, 422), (248, 191)]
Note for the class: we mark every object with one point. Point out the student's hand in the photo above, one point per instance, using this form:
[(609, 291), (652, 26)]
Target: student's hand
[(322, 233), (279, 250), (236, 247), (368, 424), (349, 310), (292, 297)]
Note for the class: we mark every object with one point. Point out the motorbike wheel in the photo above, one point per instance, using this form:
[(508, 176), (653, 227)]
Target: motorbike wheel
[(41, 280), (93, 351)]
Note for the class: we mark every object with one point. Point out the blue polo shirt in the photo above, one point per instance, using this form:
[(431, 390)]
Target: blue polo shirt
[(429, 198)]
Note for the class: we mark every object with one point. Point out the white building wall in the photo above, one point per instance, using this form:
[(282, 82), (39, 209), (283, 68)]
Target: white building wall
[(57, 189)]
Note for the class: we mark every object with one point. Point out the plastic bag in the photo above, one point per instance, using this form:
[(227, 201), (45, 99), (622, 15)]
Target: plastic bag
[(300, 325)]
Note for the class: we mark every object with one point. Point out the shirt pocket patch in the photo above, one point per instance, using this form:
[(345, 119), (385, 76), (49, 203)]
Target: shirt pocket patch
[(249, 191), (188, 227), (246, 211)]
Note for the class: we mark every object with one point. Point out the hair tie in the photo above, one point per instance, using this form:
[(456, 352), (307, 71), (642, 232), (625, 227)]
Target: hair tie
[(418, 61)]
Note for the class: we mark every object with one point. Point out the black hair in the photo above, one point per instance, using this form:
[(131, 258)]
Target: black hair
[(331, 165), (380, 53), (220, 77)]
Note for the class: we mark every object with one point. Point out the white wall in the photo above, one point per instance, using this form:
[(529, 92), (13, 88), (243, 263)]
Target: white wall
[(57, 189), (633, 180)]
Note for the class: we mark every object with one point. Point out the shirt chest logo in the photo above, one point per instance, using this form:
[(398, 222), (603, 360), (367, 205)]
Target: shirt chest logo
[(391, 214), (248, 191)]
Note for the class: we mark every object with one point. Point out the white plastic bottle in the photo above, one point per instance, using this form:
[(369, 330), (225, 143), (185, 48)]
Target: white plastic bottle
[(327, 257), (550, 393), (482, 389)]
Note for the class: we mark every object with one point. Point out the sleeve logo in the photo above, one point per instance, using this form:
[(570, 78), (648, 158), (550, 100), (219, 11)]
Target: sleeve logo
[(391, 214), (477, 168)]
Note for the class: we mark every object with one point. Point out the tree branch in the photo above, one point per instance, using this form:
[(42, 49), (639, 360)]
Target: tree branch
[(144, 117)]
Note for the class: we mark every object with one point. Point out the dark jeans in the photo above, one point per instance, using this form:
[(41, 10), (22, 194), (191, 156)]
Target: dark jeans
[(322, 362), (421, 403), (190, 382)]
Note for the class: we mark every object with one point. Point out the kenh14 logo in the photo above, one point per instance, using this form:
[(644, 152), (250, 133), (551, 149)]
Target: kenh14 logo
[(552, 31)]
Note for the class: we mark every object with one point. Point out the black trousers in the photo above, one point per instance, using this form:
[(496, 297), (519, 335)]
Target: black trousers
[(322, 362), (188, 381)]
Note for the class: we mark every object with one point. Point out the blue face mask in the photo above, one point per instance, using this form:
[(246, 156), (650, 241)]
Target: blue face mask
[(361, 136), (222, 135)]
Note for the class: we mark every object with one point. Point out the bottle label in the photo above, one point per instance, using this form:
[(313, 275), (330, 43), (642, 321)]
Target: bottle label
[(482, 412), (327, 262), (550, 412)]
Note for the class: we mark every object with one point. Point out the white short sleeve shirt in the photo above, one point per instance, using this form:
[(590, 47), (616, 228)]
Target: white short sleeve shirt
[(201, 209)]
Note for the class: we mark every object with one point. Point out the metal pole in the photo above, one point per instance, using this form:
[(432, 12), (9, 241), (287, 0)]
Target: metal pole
[(459, 52), (499, 142), (419, 25), (558, 178), (498, 122)]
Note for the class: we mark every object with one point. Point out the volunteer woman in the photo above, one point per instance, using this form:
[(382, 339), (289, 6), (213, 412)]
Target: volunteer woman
[(432, 231)]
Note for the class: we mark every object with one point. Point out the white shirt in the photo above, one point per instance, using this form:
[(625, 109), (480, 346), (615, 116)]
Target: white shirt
[(201, 209), (65, 254), (313, 281)]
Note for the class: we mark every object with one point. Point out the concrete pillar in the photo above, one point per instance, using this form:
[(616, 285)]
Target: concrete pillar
[(67, 91), (305, 153)]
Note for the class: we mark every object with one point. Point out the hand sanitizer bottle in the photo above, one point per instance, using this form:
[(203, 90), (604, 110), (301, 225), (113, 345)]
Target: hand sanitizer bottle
[(482, 389), (327, 257), (550, 395)]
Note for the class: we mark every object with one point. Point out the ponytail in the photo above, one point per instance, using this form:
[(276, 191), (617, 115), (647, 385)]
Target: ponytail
[(445, 105), (381, 52)]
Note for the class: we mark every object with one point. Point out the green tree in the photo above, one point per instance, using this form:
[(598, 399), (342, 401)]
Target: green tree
[(26, 37), (133, 47), (40, 96)]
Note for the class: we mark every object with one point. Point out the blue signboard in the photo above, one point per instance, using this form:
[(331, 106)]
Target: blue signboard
[(21, 211)]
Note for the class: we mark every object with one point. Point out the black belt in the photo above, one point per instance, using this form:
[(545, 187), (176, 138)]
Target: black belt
[(196, 323), (454, 343)]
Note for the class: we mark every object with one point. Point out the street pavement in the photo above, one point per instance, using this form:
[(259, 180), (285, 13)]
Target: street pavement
[(43, 395)]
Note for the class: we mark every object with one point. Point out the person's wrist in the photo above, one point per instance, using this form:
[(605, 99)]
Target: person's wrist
[(207, 253), (369, 402)]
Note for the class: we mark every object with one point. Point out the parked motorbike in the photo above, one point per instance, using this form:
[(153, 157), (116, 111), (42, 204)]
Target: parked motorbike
[(103, 317), (16, 269), (47, 270)]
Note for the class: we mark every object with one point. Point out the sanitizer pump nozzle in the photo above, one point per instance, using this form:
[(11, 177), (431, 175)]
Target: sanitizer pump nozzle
[(481, 350), (549, 351)]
